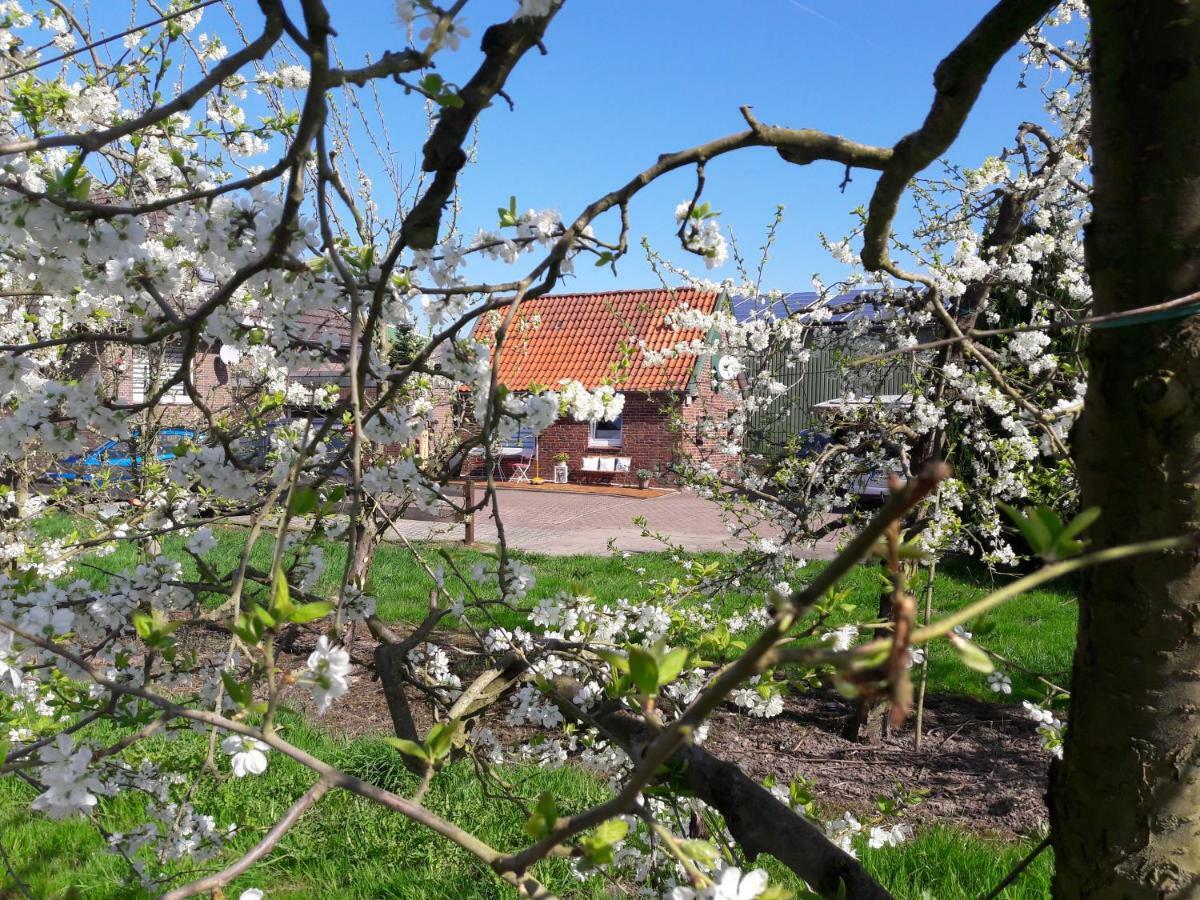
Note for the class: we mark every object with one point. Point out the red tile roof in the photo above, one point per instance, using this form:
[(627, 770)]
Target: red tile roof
[(581, 336)]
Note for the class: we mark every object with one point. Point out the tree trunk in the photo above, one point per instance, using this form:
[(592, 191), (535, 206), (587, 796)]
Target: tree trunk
[(868, 719), (1125, 801)]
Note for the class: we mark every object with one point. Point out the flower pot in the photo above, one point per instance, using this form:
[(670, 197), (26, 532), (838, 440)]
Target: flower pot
[(644, 483), (560, 473)]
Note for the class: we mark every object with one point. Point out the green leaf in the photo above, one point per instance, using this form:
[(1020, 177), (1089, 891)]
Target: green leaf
[(1049, 519), (1032, 528), (1066, 546), (619, 662), (409, 748), (1046, 534), (142, 624), (544, 815), (281, 595), (309, 612), (643, 667), (776, 892), (971, 656), (239, 693), (613, 830), (441, 738), (1080, 522), (912, 550), (248, 629), (260, 615), (598, 846), (671, 665), (155, 629), (700, 851), (303, 501)]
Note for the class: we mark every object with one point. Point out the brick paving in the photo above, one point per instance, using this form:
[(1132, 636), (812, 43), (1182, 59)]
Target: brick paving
[(566, 524)]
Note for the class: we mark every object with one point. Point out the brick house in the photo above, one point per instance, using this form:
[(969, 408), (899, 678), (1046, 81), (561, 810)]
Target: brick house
[(598, 339), (224, 386)]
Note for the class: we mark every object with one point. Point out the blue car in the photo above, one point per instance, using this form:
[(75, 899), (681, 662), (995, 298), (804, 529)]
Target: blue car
[(114, 460)]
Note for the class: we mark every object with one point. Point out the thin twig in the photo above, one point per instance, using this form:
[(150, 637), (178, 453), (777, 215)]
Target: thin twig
[(219, 879), (919, 725), (1018, 869), (108, 40)]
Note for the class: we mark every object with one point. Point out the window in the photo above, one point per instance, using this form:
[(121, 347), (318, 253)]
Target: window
[(605, 434), (149, 371)]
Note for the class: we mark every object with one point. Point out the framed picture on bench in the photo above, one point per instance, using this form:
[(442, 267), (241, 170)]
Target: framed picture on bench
[(608, 464), (622, 464), (591, 464)]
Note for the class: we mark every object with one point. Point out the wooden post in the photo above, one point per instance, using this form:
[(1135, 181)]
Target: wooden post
[(469, 515)]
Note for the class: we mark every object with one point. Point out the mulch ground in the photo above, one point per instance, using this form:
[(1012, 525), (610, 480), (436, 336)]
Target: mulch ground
[(981, 763)]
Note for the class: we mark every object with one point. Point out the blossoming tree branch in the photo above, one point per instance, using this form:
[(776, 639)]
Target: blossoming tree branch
[(172, 206)]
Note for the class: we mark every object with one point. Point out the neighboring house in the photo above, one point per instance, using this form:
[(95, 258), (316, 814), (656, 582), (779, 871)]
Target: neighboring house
[(597, 339), (821, 378), (223, 385)]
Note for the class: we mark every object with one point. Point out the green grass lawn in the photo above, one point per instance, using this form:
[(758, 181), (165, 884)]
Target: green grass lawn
[(1036, 631), (349, 848)]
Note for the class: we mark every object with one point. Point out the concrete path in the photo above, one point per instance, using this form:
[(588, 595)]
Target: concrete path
[(567, 524)]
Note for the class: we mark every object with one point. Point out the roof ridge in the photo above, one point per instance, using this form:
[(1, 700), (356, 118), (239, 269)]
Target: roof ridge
[(630, 291)]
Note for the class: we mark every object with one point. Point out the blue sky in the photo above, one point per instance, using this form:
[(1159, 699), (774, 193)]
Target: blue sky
[(626, 80)]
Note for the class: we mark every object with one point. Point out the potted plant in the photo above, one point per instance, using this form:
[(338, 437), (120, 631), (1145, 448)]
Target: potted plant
[(643, 478), (560, 468)]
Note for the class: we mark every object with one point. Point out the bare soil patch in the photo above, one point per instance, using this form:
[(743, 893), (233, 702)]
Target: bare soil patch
[(982, 763)]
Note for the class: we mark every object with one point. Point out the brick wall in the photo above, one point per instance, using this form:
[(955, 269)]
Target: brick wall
[(703, 422), (647, 438), (658, 431), (227, 391), (211, 376)]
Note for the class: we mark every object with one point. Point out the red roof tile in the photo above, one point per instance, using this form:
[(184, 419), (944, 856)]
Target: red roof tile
[(581, 336)]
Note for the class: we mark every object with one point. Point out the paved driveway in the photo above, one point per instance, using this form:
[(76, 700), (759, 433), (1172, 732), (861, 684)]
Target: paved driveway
[(562, 524)]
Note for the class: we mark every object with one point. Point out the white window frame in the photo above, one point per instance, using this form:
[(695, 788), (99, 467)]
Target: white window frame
[(139, 376), (611, 442)]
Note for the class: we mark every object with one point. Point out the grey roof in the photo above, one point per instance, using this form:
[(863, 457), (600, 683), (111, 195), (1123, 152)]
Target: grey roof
[(853, 304)]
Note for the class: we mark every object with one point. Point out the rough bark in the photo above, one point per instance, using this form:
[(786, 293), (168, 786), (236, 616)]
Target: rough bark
[(1125, 801), (868, 719), (758, 822)]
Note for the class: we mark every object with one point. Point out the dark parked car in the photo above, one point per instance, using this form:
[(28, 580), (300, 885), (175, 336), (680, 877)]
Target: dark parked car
[(253, 448), (871, 487)]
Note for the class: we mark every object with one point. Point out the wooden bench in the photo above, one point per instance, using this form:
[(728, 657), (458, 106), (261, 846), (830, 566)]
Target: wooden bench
[(595, 466)]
